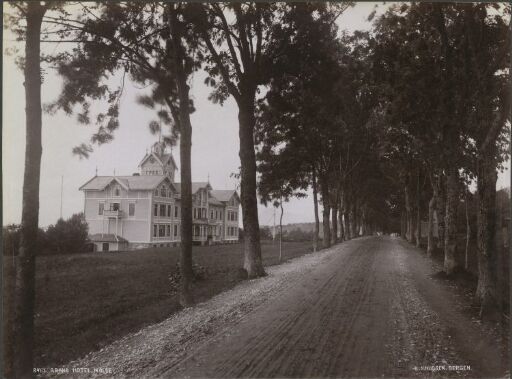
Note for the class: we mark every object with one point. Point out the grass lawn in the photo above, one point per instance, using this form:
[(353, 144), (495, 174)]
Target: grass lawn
[(85, 301)]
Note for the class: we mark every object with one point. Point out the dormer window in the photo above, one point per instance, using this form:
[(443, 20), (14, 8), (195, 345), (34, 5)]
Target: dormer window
[(163, 192)]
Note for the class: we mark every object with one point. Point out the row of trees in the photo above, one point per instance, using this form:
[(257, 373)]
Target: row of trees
[(66, 236), (159, 45), (364, 119), (393, 124)]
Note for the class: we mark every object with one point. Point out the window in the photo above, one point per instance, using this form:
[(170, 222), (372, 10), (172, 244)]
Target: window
[(168, 230), (169, 210), (196, 231), (114, 206), (163, 192), (155, 210), (161, 230), (131, 209), (204, 212), (175, 230), (154, 230), (211, 214), (176, 211), (117, 191), (101, 207), (162, 210), (156, 192)]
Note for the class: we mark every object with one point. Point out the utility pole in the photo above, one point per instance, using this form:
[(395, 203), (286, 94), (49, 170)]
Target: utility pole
[(274, 228), (61, 191)]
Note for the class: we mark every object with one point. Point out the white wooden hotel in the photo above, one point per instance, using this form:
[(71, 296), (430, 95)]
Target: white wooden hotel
[(143, 209)]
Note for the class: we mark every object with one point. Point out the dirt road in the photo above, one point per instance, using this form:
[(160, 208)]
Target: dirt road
[(365, 308)]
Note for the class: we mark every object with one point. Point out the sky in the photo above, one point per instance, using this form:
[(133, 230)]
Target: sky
[(214, 142)]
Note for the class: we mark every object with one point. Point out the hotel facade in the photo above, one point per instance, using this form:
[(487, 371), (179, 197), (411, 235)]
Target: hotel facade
[(144, 209)]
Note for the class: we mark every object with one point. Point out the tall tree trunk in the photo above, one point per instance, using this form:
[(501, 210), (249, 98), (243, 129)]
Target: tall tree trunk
[(363, 221), (487, 291), (468, 230), (281, 231), (346, 207), (353, 221), (185, 126), (440, 210), (403, 224), (252, 249), (409, 212), (315, 204), (431, 209), (418, 211), (340, 221), (450, 238), (324, 187), (25, 261), (334, 235)]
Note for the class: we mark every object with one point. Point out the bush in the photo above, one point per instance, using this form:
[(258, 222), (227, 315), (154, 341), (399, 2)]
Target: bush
[(67, 236), (11, 235)]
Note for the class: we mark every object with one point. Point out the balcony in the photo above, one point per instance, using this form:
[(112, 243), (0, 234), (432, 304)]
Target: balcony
[(113, 213)]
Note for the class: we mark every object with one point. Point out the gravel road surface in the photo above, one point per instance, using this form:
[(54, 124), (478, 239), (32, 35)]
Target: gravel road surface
[(369, 307)]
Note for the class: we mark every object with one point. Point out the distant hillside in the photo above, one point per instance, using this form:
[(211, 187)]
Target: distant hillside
[(304, 226)]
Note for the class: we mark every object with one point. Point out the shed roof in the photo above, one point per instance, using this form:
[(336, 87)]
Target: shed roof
[(107, 238)]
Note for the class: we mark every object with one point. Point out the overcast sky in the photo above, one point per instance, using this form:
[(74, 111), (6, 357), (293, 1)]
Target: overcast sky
[(214, 143)]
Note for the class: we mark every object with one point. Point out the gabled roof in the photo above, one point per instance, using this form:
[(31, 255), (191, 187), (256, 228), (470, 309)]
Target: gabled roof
[(101, 182), (142, 182), (196, 186), (224, 195), (214, 201), (162, 159), (168, 157)]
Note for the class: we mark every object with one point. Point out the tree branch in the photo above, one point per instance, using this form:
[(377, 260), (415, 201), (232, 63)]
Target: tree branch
[(225, 28)]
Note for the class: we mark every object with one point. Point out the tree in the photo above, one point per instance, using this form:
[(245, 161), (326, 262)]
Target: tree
[(241, 54), (487, 74), (276, 185), (68, 236), (421, 78), (31, 13), (239, 74), (299, 112), (153, 44)]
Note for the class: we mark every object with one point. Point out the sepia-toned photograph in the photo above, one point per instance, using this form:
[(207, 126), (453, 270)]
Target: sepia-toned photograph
[(256, 189)]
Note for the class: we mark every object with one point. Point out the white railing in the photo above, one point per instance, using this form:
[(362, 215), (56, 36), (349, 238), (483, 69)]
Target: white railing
[(112, 213)]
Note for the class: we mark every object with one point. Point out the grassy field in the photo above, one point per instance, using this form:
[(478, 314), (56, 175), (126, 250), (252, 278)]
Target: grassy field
[(85, 301)]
